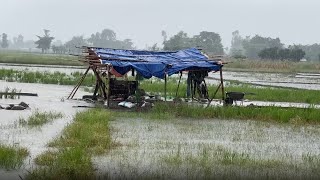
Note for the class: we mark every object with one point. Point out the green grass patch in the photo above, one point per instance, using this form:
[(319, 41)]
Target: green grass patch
[(89, 134), (90, 130), (71, 163), (37, 58), (282, 115), (45, 77), (38, 118), (272, 66), (154, 86), (12, 157)]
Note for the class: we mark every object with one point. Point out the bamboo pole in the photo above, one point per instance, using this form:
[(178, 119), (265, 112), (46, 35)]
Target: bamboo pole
[(165, 87), (108, 90), (222, 85), (215, 93), (75, 89)]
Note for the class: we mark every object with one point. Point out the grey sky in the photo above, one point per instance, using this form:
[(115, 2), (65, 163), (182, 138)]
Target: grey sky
[(293, 21)]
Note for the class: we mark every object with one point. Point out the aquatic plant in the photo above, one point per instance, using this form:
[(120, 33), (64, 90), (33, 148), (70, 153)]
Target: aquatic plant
[(39, 118)]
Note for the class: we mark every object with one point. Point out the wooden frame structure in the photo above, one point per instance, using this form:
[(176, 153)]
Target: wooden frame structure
[(103, 71)]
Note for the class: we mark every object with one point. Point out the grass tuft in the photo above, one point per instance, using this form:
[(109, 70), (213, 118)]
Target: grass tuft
[(89, 134), (12, 157), (38, 118)]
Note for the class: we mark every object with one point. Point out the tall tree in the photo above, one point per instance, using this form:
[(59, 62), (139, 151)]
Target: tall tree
[(210, 42), (76, 41), (4, 42), (236, 44), (18, 41), (44, 42), (178, 42), (253, 46), (104, 39), (108, 38)]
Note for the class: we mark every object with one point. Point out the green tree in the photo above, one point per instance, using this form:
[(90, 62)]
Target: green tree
[(178, 42), (4, 42), (210, 42), (252, 46), (18, 41), (108, 38), (76, 41), (293, 53), (44, 42), (236, 49)]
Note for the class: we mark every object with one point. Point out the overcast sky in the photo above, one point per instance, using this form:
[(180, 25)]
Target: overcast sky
[(293, 21)]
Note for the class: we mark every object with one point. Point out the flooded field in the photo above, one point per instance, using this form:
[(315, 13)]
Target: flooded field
[(186, 148), (181, 148), (298, 80), (50, 98)]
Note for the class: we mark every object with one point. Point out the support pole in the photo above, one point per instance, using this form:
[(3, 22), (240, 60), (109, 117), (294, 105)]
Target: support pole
[(214, 95), (165, 87), (108, 90), (222, 86), (75, 89), (178, 84)]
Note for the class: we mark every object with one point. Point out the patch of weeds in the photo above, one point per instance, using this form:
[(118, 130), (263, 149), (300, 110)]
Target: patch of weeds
[(72, 163), (88, 134), (312, 160), (38, 118), (282, 115), (90, 130), (175, 159), (12, 157), (46, 159), (219, 156)]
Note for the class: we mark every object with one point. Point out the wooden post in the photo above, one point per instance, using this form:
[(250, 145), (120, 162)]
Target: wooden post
[(214, 95), (165, 87), (75, 89), (108, 90), (178, 84), (222, 86)]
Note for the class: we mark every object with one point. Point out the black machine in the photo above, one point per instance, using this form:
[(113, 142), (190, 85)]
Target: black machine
[(234, 96), (122, 88)]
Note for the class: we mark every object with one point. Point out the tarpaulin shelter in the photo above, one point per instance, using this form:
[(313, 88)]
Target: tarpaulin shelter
[(147, 63)]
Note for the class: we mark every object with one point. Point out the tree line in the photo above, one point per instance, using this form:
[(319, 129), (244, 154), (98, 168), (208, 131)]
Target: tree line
[(255, 47)]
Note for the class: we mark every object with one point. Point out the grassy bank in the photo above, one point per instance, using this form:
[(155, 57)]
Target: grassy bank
[(257, 93), (276, 114), (156, 86), (45, 77), (272, 66), (12, 157), (37, 58), (88, 135)]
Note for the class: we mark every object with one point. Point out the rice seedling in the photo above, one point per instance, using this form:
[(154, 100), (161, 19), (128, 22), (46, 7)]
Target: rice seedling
[(38, 118), (12, 157)]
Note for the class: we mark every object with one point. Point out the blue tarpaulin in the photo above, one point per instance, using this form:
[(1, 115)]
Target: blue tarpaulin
[(150, 63)]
